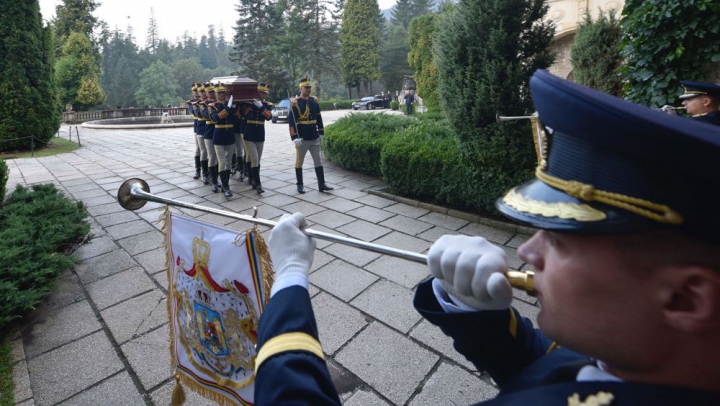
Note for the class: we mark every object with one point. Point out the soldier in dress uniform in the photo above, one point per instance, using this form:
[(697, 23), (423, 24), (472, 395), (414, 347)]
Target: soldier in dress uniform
[(702, 101), (254, 115), (239, 156), (200, 131), (223, 136), (208, 136), (306, 132), (626, 259), (190, 107)]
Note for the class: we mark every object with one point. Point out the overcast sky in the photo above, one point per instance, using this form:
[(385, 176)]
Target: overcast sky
[(173, 17)]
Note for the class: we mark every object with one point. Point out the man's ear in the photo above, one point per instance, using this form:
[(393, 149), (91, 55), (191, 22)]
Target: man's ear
[(691, 298)]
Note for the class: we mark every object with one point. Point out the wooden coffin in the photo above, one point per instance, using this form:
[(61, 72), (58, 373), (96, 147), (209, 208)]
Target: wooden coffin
[(241, 88)]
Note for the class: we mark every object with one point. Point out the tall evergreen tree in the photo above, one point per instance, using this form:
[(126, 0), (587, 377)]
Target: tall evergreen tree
[(74, 16), (595, 56), (394, 62), (421, 58), (153, 33), (120, 69), (78, 74), (402, 13), (421, 7), (29, 106), (360, 43)]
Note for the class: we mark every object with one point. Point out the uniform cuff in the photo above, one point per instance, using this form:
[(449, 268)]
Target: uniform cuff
[(446, 300), (288, 280)]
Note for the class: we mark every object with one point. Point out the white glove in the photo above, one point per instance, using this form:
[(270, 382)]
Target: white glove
[(292, 252), (669, 110), (297, 142), (257, 103), (471, 270)]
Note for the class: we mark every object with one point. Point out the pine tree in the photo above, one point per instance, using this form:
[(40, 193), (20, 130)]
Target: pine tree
[(421, 58), (402, 13), (29, 106), (77, 73), (153, 33), (421, 7), (595, 56), (394, 64), (360, 43), (74, 16)]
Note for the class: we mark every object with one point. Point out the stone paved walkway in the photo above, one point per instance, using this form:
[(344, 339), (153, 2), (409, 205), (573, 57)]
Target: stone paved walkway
[(102, 337)]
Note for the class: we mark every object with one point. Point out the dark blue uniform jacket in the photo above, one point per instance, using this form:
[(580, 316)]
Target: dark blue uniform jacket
[(305, 118), (254, 119), (221, 116)]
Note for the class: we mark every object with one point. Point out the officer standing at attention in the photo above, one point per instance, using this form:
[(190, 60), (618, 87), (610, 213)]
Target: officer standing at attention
[(306, 131), (208, 136), (190, 103), (200, 131), (627, 270), (223, 136), (238, 128), (255, 114), (702, 101)]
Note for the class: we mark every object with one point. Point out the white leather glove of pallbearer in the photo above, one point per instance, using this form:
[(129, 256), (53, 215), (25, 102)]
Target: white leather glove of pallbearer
[(297, 142), (292, 252), (471, 270), (257, 103), (669, 110)]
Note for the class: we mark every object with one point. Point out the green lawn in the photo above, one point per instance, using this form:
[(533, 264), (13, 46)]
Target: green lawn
[(56, 145), (6, 377)]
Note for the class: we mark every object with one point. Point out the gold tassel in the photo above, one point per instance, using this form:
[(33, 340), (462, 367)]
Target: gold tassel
[(266, 263), (178, 394)]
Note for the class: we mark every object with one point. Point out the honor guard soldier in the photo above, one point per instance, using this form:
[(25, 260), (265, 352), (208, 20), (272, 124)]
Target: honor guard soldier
[(626, 259), (306, 131), (702, 101), (191, 110), (208, 137), (223, 136), (239, 155), (200, 131), (255, 115)]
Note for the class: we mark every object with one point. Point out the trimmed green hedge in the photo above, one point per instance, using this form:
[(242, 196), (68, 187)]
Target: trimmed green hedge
[(4, 175), (36, 227), (330, 104), (355, 141)]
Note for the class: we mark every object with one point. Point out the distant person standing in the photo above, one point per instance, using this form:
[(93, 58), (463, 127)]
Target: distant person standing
[(702, 101), (409, 101)]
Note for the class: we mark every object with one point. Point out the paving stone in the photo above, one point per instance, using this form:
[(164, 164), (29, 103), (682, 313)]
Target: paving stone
[(306, 208), (313, 196), (389, 362), (163, 395), (454, 386), (443, 220), (52, 329), (407, 210), (96, 246), (108, 220), (78, 187), (21, 381), (278, 200), (433, 337), (404, 242), (355, 256), (118, 390), (142, 242), (162, 279), (149, 357), (350, 194), (105, 209), (527, 310), (121, 231), (389, 303), (313, 290), (342, 279), (137, 316), (518, 240), (365, 398), (17, 352), (99, 201), (375, 201), (67, 291), (330, 219), (28, 402), (341, 205), (337, 322), (153, 261), (434, 233), (90, 193), (104, 265), (61, 373), (403, 272), (363, 230), (267, 212), (406, 225), (371, 214), (491, 234), (320, 259), (119, 287), (514, 262), (344, 381)]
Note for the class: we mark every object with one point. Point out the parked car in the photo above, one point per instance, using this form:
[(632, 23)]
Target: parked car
[(369, 103), (281, 111)]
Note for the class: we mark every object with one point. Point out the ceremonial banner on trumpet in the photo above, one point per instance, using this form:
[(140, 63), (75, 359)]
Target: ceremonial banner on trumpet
[(219, 283)]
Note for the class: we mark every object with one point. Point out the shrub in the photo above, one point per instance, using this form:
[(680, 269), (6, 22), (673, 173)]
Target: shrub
[(595, 56), (354, 142), (4, 174), (394, 105), (330, 104), (35, 228)]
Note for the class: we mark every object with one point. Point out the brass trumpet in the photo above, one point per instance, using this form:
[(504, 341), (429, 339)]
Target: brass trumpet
[(135, 193), (500, 119)]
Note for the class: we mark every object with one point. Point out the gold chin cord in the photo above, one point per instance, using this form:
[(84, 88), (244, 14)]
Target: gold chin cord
[(135, 193)]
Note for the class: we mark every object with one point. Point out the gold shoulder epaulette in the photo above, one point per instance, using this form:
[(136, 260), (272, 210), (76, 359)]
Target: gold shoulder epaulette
[(314, 98)]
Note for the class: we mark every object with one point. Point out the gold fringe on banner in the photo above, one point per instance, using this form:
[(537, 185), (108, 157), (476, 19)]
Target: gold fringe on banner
[(268, 274)]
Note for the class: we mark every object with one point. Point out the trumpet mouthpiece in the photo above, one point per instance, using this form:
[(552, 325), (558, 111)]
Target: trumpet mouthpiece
[(522, 280)]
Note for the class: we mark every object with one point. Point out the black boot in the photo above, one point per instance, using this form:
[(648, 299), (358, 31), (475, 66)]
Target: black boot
[(321, 179), (225, 179), (241, 167), (204, 166), (298, 175), (256, 175), (248, 173), (214, 178), (197, 168), (233, 164)]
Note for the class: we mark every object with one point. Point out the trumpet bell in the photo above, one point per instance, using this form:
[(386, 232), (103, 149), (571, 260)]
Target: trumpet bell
[(125, 196)]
